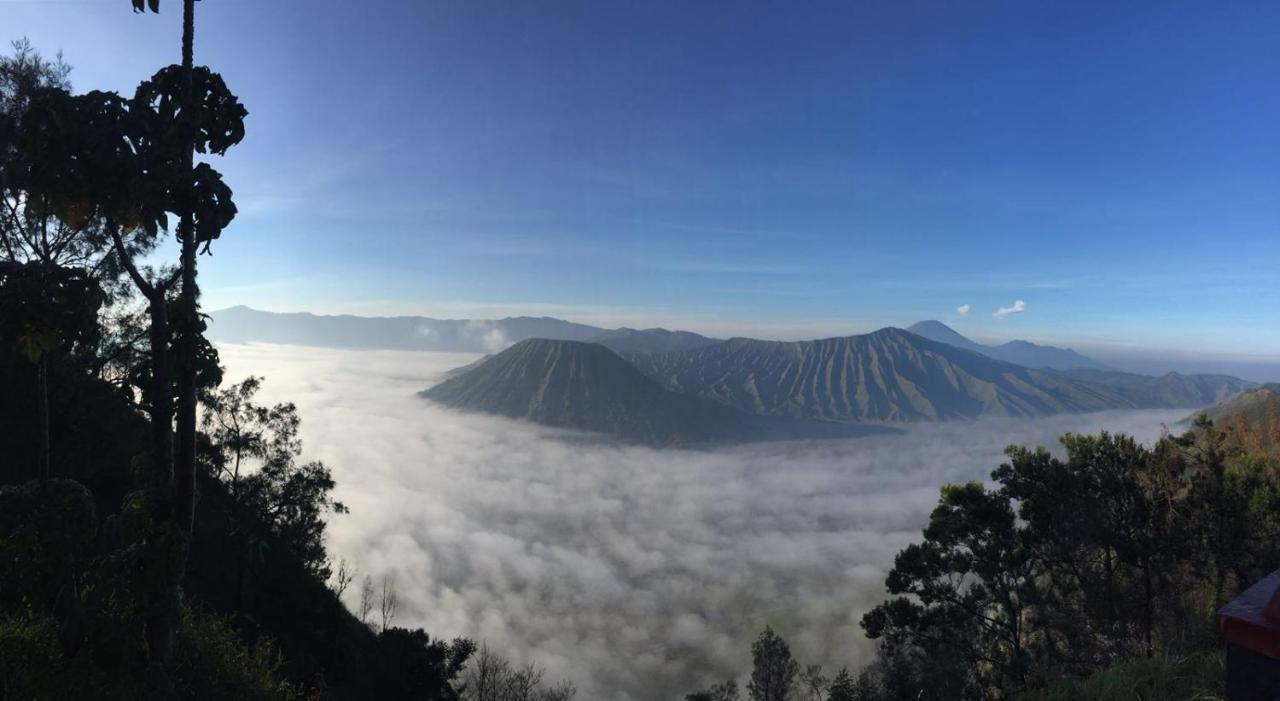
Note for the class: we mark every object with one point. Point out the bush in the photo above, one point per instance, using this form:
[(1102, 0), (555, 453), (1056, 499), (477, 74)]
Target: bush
[(1196, 677), (211, 661)]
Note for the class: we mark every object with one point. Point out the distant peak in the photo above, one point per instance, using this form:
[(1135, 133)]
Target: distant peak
[(929, 323)]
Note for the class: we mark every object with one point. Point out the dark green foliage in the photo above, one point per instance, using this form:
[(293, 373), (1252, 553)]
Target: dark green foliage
[(846, 687), (727, 691), (211, 661), (91, 554), (773, 673), (69, 608), (47, 528), (45, 308), (254, 449), (425, 668), (1117, 551), (1196, 677)]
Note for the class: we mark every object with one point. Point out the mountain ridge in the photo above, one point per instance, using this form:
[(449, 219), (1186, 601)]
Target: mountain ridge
[(587, 386), (1019, 352)]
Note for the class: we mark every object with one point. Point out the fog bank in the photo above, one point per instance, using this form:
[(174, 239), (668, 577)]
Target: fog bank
[(633, 572)]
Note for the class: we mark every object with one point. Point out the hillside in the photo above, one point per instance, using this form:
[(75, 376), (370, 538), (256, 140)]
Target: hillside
[(889, 375), (1256, 406), (1170, 390), (242, 324), (583, 386), (626, 340), (1019, 352), (895, 375), (588, 387)]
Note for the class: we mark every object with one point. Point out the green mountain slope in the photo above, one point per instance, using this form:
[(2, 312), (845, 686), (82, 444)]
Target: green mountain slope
[(585, 386), (1171, 390), (1256, 405), (889, 375)]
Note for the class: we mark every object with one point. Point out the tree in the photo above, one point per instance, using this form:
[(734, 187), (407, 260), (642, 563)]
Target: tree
[(388, 603), (254, 449), (774, 672), (366, 599), (728, 691), (342, 578), (45, 310), (813, 683), (845, 688), (491, 677), (967, 590), (191, 110), (425, 668)]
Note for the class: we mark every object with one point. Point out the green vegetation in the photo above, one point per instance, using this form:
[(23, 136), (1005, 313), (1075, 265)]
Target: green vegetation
[(1196, 677), (1094, 576), (144, 552)]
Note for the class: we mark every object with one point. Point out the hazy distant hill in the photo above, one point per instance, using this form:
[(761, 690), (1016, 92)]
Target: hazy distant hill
[(1017, 352), (889, 375), (1255, 405), (626, 340), (1171, 389), (588, 387), (895, 375), (241, 324)]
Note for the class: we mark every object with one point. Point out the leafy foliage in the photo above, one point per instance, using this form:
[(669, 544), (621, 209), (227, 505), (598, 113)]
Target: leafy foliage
[(1073, 565), (254, 450)]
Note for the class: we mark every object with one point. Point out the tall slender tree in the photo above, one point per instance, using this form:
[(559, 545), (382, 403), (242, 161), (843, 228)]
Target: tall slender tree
[(203, 204)]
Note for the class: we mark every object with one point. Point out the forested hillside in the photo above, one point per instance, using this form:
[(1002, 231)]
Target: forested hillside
[(160, 534), (1097, 575)]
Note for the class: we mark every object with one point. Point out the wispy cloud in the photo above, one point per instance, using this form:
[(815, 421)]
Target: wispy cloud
[(964, 309), (1018, 307)]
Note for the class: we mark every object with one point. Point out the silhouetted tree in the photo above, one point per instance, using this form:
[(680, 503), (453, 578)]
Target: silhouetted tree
[(342, 578), (191, 110), (728, 691), (773, 672), (491, 677), (366, 599), (425, 668), (254, 450), (813, 683), (846, 688), (388, 602)]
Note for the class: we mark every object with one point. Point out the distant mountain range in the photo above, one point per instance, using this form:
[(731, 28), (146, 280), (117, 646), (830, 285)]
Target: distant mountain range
[(243, 324), (586, 386), (663, 387), (1018, 352), (727, 390), (896, 375), (626, 340)]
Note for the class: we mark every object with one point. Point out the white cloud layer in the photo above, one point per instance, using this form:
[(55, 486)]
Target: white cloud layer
[(637, 574), (1018, 307), (964, 309)]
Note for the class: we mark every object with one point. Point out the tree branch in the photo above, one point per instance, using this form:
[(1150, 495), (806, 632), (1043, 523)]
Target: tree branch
[(145, 287)]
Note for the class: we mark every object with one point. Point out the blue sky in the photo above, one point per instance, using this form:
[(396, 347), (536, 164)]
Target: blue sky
[(741, 168)]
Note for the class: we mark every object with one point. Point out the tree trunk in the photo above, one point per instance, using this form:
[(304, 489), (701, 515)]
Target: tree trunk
[(42, 382), (162, 598), (186, 451)]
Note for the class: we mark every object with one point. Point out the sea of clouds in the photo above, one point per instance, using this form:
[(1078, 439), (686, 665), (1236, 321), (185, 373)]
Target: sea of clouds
[(635, 573)]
